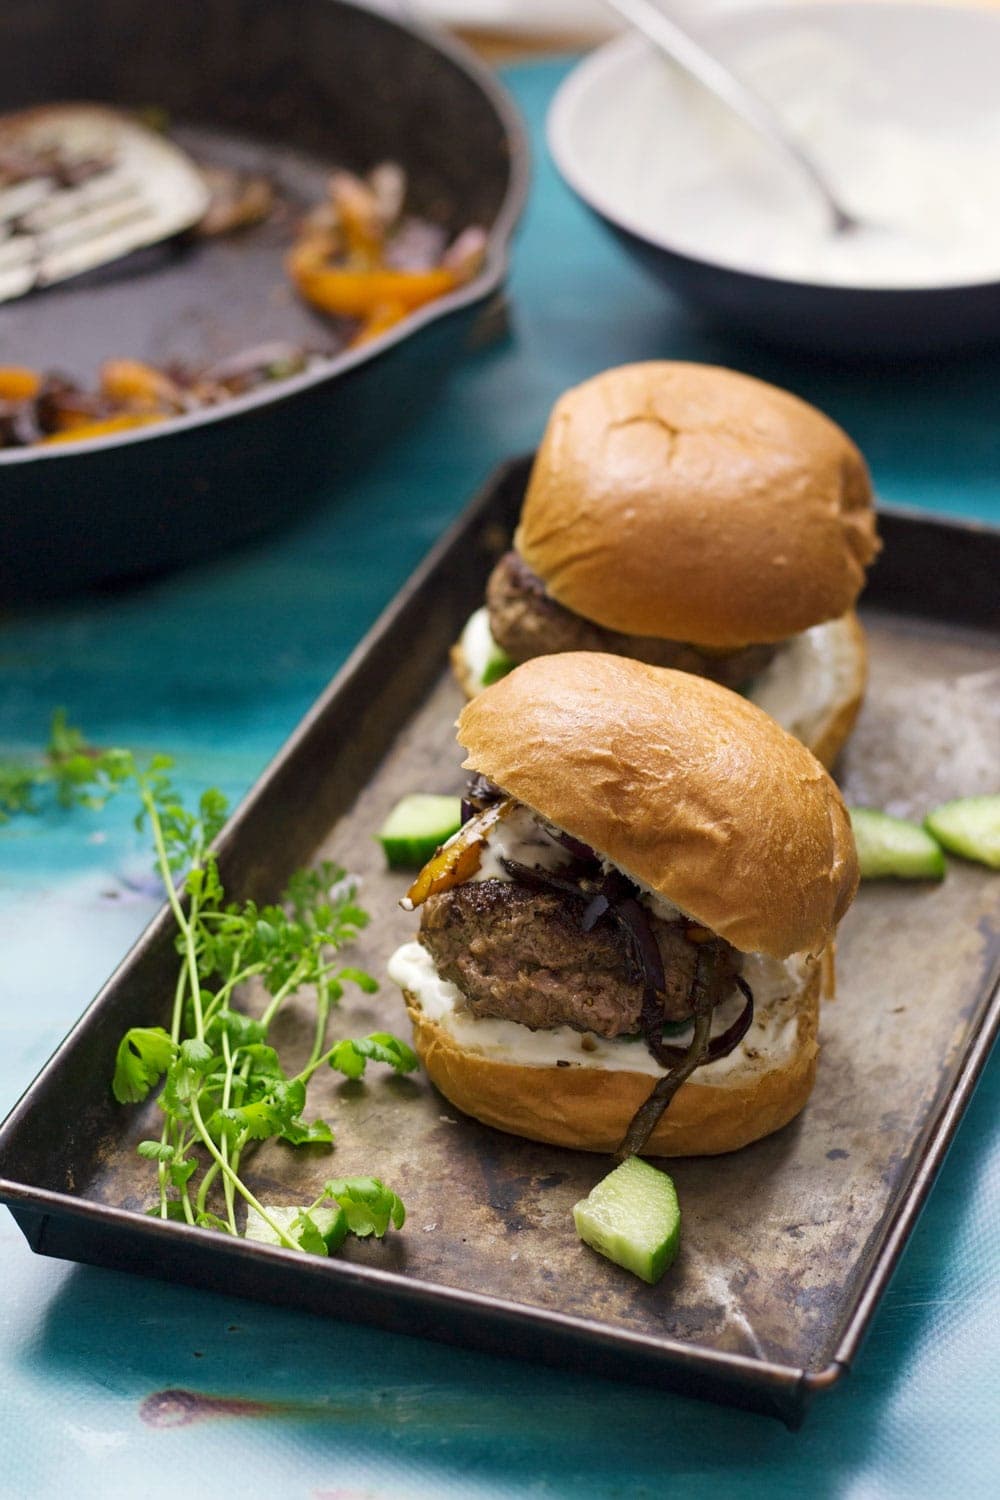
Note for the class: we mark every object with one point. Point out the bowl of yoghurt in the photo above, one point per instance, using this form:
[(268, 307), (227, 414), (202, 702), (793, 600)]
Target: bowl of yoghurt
[(897, 103)]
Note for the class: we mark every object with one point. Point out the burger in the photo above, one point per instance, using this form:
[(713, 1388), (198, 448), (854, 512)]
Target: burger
[(694, 518), (624, 946)]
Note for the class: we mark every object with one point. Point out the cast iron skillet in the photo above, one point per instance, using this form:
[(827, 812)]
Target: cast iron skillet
[(292, 87)]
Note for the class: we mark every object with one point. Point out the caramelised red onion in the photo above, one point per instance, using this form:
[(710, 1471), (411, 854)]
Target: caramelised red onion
[(614, 889), (576, 847), (727, 1041), (647, 961), (649, 1114), (695, 1055), (539, 879), (480, 792)]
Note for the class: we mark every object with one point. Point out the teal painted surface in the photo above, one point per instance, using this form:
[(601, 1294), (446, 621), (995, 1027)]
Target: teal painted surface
[(216, 666)]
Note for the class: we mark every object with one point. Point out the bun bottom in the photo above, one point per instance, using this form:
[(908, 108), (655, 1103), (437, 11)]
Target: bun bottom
[(589, 1108), (820, 717), (468, 680), (816, 691)]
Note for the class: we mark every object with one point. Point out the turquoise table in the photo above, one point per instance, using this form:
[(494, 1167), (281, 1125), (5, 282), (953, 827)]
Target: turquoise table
[(215, 666)]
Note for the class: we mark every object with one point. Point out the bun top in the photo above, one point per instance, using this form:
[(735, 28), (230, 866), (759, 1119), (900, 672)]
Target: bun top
[(685, 786), (699, 505)]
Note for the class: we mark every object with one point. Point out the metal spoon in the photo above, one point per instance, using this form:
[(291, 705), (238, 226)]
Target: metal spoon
[(681, 48)]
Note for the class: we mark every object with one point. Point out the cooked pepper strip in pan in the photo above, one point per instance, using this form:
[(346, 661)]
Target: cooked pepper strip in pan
[(357, 258), (342, 262)]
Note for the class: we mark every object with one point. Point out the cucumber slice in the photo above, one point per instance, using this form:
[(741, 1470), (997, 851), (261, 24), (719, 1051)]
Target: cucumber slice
[(416, 826), (632, 1216), (487, 661), (498, 664), (970, 827), (330, 1221), (890, 846)]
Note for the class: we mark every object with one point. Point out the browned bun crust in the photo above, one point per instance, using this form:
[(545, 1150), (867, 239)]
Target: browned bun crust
[(697, 504), (684, 785), (589, 1109), (831, 735)]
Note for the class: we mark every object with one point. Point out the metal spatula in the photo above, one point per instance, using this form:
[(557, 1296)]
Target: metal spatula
[(82, 185)]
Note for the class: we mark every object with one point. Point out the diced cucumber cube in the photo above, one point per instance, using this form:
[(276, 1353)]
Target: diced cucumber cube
[(632, 1216), (890, 846), (418, 823), (330, 1221), (970, 827), (497, 665), (485, 659)]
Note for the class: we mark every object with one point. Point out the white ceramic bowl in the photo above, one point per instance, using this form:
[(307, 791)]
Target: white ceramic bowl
[(902, 103)]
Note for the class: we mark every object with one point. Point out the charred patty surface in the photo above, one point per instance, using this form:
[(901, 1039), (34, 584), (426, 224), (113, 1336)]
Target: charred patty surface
[(527, 622), (520, 955)]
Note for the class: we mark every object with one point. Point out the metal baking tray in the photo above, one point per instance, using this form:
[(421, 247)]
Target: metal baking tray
[(788, 1244)]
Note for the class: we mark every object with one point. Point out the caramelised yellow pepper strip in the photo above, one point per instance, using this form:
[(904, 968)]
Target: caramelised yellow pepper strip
[(103, 428), (18, 383), (459, 858), (356, 207), (140, 386), (379, 320), (349, 293)]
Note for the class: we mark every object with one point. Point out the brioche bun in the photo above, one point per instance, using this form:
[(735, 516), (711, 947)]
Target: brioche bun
[(688, 788), (589, 1108), (697, 504), (464, 672)]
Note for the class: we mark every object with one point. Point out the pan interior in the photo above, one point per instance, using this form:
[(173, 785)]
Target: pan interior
[(289, 91)]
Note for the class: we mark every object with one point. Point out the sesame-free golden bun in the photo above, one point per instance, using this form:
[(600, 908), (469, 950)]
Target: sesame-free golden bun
[(697, 504), (589, 1108), (685, 786)]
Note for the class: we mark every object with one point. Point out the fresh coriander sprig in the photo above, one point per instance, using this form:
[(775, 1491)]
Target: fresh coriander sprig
[(347, 1205), (224, 1088), (72, 773)]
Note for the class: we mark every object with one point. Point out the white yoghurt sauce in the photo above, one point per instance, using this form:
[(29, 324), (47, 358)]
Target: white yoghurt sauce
[(807, 675), (518, 836), (770, 1040), (930, 179), (477, 643)]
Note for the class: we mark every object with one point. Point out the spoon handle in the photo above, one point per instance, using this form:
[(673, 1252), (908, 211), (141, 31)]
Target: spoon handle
[(682, 48)]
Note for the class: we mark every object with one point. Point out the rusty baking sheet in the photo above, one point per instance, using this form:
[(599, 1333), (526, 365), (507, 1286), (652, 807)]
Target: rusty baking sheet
[(787, 1244)]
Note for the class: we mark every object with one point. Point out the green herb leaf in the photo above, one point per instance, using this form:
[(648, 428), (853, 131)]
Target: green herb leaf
[(303, 1133), (369, 1205), (181, 1085), (352, 1055), (307, 1233), (144, 1055), (155, 1151), (363, 981), (172, 1209), (207, 1220), (240, 1030), (73, 773), (182, 1169), (196, 1053)]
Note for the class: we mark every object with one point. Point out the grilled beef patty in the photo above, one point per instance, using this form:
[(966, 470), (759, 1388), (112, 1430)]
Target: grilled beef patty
[(526, 621), (520, 955)]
